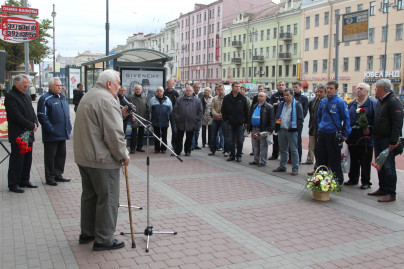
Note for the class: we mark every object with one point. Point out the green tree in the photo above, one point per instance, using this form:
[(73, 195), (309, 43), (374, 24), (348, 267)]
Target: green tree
[(38, 48)]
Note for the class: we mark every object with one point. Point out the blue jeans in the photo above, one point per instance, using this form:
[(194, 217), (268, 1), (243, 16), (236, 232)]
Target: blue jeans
[(220, 139), (218, 125), (236, 132), (387, 174), (288, 141), (196, 136)]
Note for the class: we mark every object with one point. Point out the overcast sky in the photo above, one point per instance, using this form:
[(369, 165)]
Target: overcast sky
[(80, 24)]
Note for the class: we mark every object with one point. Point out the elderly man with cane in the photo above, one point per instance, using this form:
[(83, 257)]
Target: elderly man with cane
[(99, 151)]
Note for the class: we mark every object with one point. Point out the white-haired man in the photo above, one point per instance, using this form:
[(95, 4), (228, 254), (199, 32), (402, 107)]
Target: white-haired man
[(20, 117), (99, 151), (54, 116)]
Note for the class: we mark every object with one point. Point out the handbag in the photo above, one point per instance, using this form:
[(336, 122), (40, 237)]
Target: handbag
[(339, 138)]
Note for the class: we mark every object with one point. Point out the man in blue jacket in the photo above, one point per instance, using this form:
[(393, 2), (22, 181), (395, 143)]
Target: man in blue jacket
[(332, 116), (54, 116)]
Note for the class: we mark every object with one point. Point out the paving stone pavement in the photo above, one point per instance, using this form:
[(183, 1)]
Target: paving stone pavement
[(227, 215)]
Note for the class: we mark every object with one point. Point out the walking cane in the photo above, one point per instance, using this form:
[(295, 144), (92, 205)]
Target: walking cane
[(129, 207)]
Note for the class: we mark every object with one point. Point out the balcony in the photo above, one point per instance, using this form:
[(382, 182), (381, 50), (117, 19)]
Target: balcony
[(236, 44), (285, 56), (259, 59), (285, 36), (236, 60)]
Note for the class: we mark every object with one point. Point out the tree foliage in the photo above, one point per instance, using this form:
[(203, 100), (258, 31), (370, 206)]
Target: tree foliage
[(38, 48)]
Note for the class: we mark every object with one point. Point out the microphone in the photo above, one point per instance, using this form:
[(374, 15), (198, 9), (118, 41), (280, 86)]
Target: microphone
[(126, 102)]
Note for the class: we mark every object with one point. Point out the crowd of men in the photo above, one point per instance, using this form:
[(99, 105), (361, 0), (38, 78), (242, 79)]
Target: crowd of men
[(100, 145)]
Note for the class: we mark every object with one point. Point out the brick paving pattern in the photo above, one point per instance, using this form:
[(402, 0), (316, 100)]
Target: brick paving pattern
[(227, 215)]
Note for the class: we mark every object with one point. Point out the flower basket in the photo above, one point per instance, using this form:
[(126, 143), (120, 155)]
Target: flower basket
[(321, 183), (320, 196)]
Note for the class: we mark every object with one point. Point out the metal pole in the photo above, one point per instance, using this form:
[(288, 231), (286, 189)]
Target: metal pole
[(107, 37), (387, 34), (337, 17), (54, 50), (26, 49)]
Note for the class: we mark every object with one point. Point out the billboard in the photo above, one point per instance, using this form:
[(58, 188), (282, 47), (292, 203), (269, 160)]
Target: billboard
[(17, 28), (74, 76), (149, 79), (355, 26)]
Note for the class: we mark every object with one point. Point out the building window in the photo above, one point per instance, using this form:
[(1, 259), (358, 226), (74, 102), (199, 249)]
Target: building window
[(347, 10), (262, 35), (372, 8), (267, 71), (307, 44), (325, 42), (326, 18), (315, 66), (275, 31), (274, 52), (244, 38), (360, 7), (316, 20), (280, 70), (294, 70), (267, 52), (268, 34), (384, 33), (308, 22), (243, 54), (280, 48), (325, 66), (294, 48), (397, 61), (381, 63), (281, 30), (345, 88), (243, 72), (334, 64), (346, 64), (273, 71), (357, 63), (286, 70), (224, 57), (315, 43), (306, 67), (400, 5), (369, 63), (261, 51), (371, 38), (249, 71), (295, 29), (288, 29), (399, 31)]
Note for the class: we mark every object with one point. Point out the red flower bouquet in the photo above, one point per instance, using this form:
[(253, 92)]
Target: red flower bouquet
[(362, 120), (23, 141)]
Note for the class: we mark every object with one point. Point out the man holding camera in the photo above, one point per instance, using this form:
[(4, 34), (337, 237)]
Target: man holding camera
[(333, 128)]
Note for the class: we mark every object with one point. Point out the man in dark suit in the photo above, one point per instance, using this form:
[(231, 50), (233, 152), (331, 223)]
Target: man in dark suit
[(21, 117)]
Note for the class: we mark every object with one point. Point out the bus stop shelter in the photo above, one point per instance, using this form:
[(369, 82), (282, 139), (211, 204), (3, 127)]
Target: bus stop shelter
[(143, 65)]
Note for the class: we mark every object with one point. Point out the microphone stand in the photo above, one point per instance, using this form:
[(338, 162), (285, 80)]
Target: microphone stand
[(149, 229)]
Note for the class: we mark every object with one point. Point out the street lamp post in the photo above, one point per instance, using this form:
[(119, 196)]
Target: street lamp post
[(107, 36), (54, 51), (385, 8), (253, 34)]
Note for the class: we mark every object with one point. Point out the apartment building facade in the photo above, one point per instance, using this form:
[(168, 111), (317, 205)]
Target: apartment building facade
[(263, 48), (200, 39), (359, 61)]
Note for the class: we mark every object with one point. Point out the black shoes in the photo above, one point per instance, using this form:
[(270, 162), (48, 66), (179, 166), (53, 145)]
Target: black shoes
[(230, 159), (28, 185), (132, 151), (16, 189), (187, 153), (238, 159), (365, 186), (113, 245), (379, 192), (140, 150), (261, 165), (272, 158), (197, 147), (84, 239), (279, 169), (62, 179), (252, 163), (51, 182)]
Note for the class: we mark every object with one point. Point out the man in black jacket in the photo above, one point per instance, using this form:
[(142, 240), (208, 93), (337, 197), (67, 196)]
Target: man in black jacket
[(21, 117), (173, 95), (276, 99), (77, 95), (262, 119), (304, 102), (387, 129), (235, 114)]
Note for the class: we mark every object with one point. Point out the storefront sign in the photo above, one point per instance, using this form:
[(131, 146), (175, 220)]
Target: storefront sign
[(20, 10), (17, 29), (392, 74), (3, 120)]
